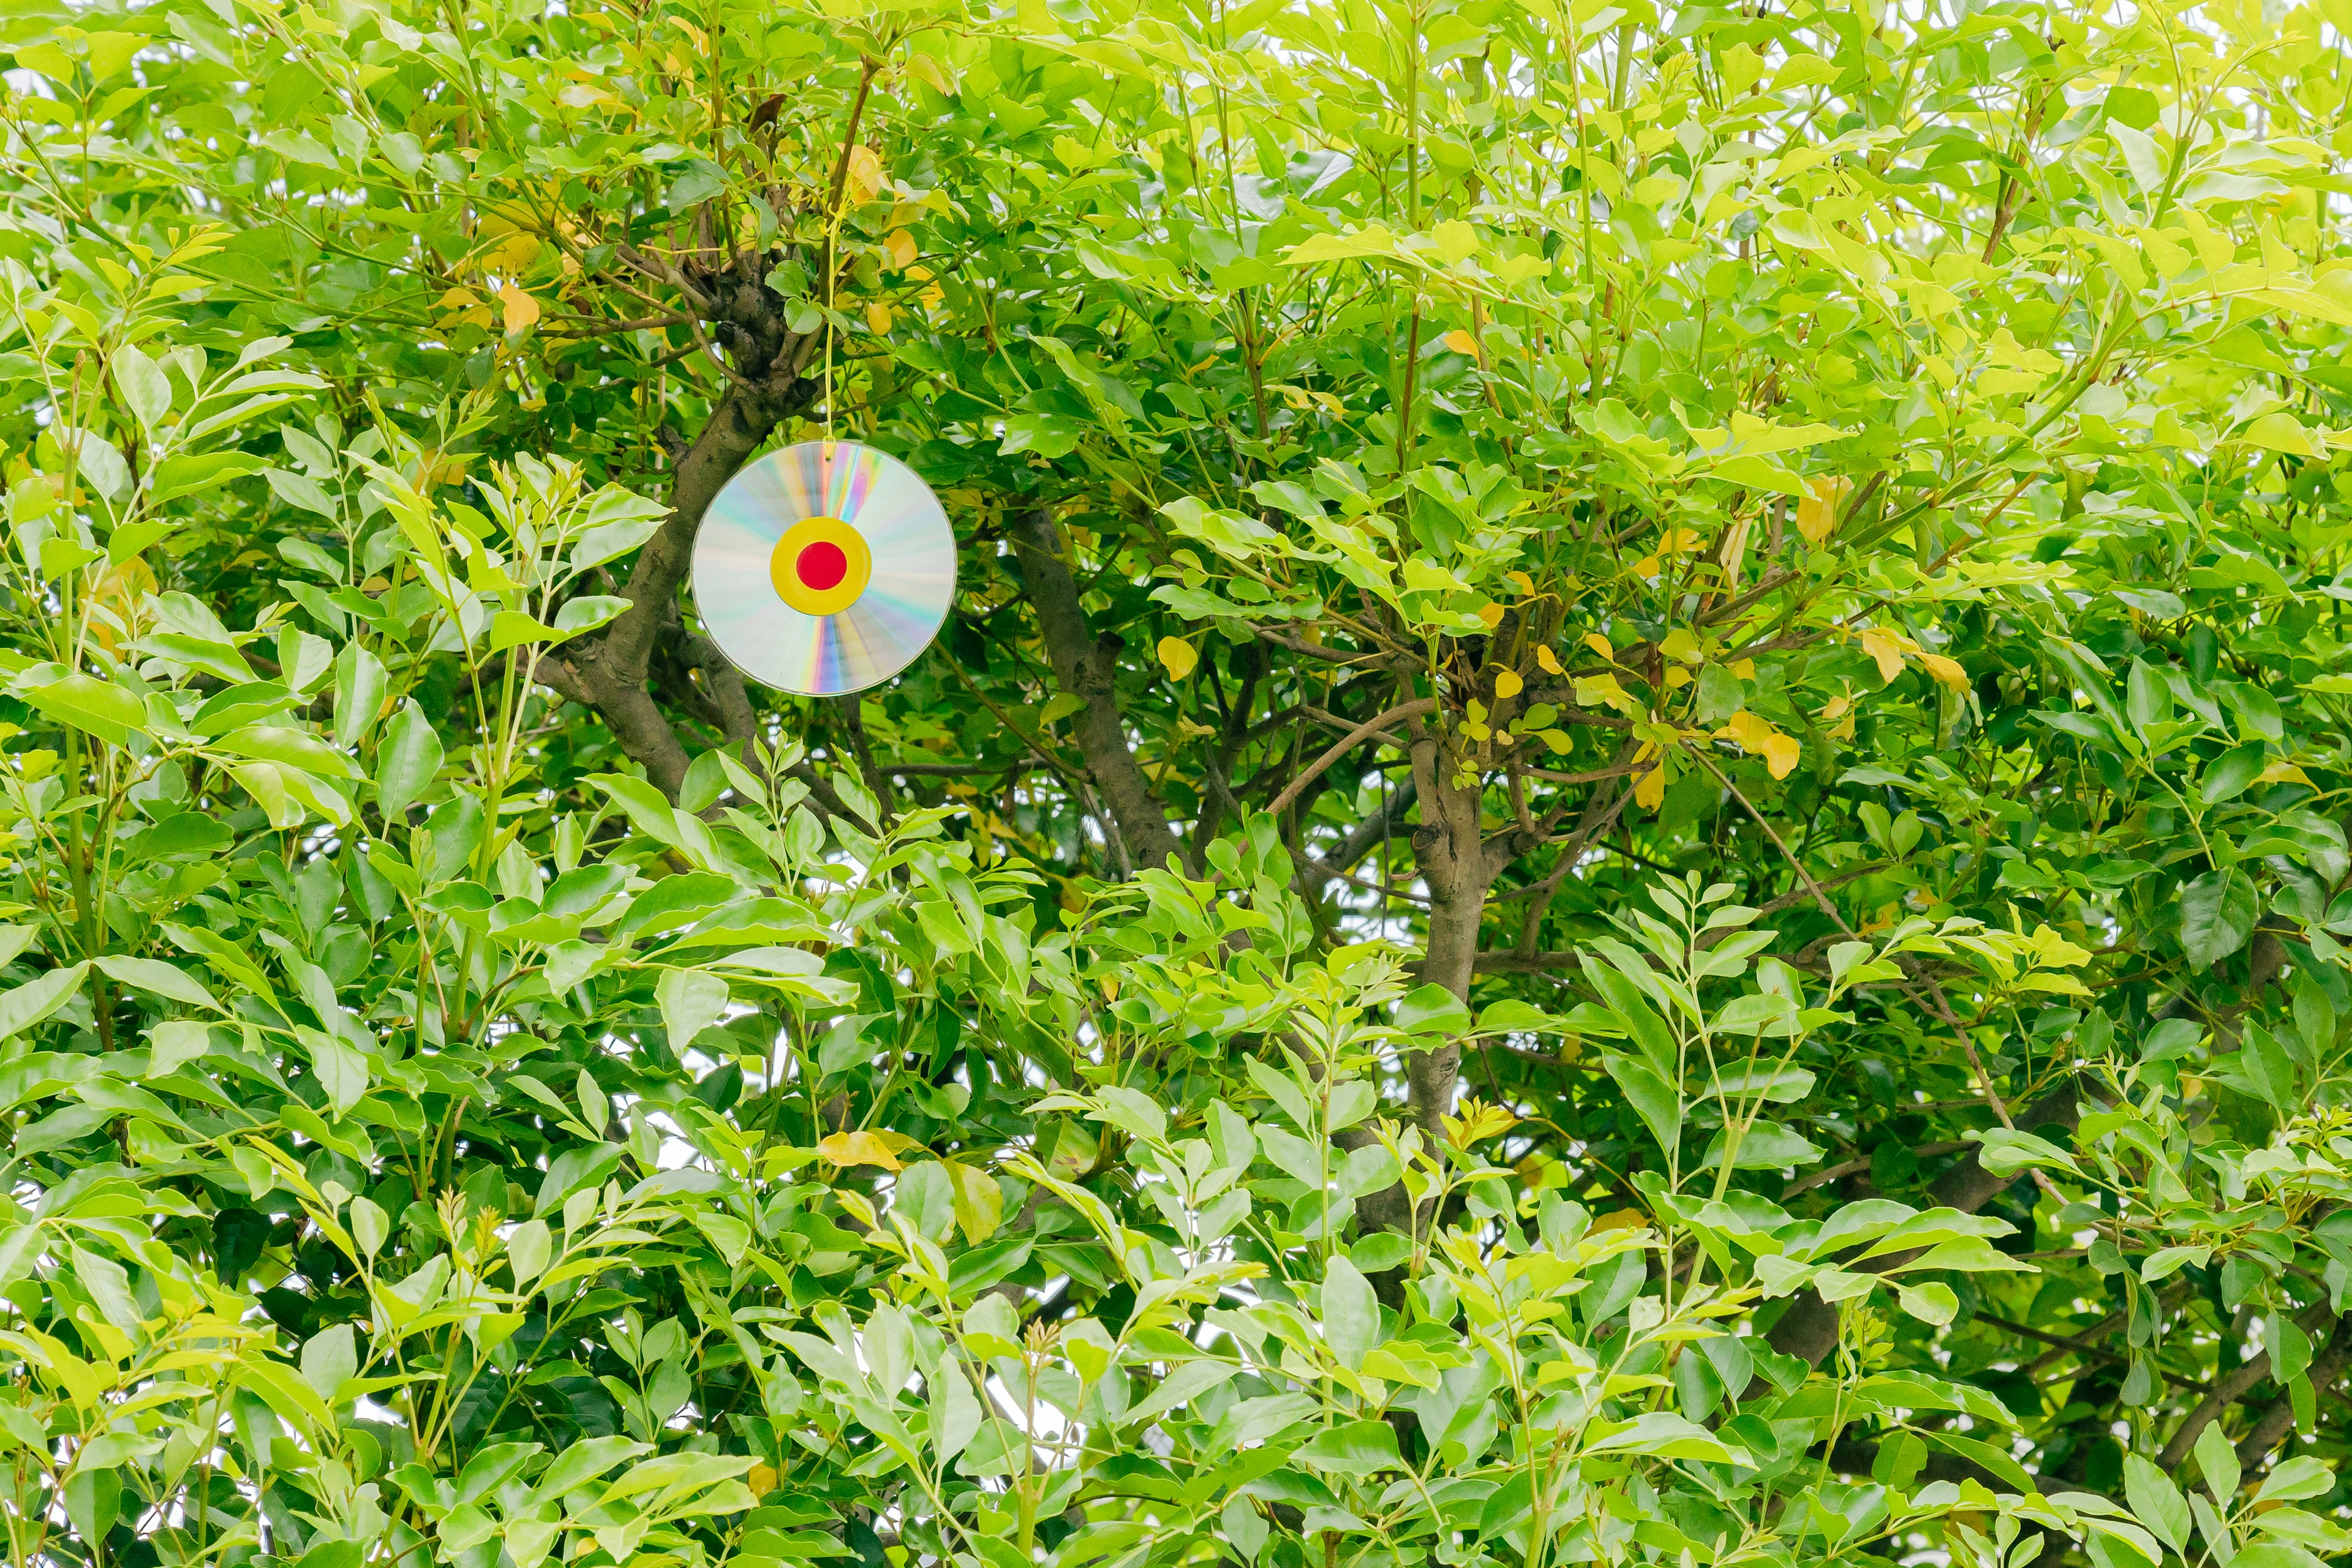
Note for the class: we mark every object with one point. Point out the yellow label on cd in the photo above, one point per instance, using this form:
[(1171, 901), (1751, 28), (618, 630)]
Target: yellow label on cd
[(820, 566)]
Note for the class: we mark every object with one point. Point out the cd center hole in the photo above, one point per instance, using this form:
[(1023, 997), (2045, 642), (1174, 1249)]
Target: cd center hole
[(822, 565)]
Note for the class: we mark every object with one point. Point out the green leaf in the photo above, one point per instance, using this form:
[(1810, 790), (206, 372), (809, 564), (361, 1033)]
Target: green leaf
[(1931, 1303), (28, 1004), (1663, 1435), (2217, 1461), (2230, 773), (1352, 1448), (2297, 1477), (512, 628), (2217, 911), (1989, 1456), (359, 683), (159, 978), (1432, 1010), (407, 762), (97, 707), (1351, 1313), (2157, 1503), (691, 1001), (288, 748), (1657, 1104)]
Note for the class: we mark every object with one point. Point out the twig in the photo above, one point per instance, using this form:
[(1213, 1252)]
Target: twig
[(1378, 721)]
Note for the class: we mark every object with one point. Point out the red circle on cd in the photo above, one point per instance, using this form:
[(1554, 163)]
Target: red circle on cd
[(822, 565)]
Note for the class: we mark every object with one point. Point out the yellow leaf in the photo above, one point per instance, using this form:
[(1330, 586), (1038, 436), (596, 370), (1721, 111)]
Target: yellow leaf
[(1527, 584), (1492, 614), (455, 300), (1682, 643), (521, 311), (877, 317), (1462, 342), (858, 1148), (1948, 672), (863, 178), (1600, 645), (1888, 648), (762, 1480), (978, 1201), (1624, 1219), (1507, 683), (1650, 793), (1678, 679), (1757, 737), (1548, 660), (901, 246), (515, 253), (1817, 514), (1179, 655), (2282, 772)]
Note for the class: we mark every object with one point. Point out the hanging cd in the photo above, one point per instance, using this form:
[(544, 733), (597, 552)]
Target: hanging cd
[(824, 568)]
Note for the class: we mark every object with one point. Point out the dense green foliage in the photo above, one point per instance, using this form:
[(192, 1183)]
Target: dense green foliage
[(1630, 845)]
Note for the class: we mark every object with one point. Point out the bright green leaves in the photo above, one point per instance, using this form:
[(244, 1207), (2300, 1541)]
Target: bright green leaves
[(408, 759), (95, 707)]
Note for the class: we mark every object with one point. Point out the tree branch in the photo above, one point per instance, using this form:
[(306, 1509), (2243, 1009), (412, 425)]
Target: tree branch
[(1086, 667), (1354, 737)]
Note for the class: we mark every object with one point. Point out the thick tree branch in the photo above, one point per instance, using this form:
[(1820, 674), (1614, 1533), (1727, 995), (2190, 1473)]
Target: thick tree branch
[(2325, 1367), (1087, 668), (2232, 1387)]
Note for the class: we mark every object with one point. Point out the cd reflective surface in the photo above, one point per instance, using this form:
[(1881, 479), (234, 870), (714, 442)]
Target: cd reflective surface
[(824, 568)]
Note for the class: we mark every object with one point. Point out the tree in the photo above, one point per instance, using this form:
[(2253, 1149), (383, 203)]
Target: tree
[(1629, 845)]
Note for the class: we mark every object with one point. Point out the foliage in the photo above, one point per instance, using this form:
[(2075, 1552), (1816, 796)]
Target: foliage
[(1629, 846)]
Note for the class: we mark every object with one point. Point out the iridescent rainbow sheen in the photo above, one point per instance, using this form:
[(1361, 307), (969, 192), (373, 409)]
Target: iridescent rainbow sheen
[(892, 622)]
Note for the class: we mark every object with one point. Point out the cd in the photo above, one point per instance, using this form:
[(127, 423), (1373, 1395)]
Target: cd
[(824, 568)]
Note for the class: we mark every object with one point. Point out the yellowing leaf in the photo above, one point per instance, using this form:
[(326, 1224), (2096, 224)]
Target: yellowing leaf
[(861, 1148), (1650, 793), (978, 1201), (863, 178), (521, 311), (2281, 772), (1817, 513), (1526, 583), (1600, 645), (1179, 655), (1682, 643), (926, 69), (1947, 671), (1888, 648), (1757, 737), (1547, 660), (1460, 342), (1507, 683), (1492, 614), (877, 317), (901, 246), (1623, 1219)]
